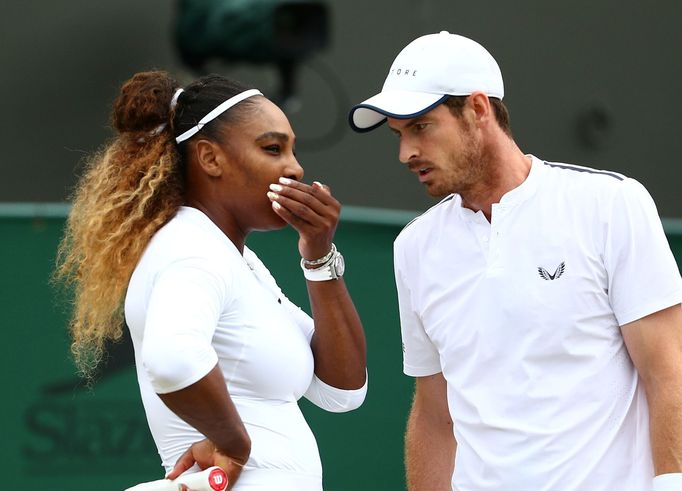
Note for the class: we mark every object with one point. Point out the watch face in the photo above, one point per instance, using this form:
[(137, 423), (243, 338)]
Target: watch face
[(339, 265)]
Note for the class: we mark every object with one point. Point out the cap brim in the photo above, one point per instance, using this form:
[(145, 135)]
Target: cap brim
[(400, 104)]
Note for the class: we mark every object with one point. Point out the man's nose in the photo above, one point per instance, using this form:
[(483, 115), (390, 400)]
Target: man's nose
[(407, 151)]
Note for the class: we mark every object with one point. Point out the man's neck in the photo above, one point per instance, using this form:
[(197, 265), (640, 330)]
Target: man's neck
[(507, 169)]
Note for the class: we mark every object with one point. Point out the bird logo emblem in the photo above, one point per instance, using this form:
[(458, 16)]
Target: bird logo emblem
[(545, 275)]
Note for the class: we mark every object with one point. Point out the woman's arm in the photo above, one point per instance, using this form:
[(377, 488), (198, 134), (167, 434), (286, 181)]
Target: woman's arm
[(182, 365), (206, 406), (339, 340)]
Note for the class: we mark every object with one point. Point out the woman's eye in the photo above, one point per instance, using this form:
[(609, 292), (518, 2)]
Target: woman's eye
[(272, 148), (420, 126)]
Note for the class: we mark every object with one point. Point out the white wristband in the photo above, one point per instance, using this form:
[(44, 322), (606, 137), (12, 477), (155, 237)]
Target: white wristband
[(668, 482)]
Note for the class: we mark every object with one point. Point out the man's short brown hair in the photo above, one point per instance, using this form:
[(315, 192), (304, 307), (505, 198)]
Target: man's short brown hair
[(456, 103)]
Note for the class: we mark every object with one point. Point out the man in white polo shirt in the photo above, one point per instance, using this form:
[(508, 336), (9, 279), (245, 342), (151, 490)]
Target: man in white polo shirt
[(539, 301)]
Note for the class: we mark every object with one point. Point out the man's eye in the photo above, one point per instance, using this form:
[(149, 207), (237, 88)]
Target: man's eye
[(420, 126), (272, 148)]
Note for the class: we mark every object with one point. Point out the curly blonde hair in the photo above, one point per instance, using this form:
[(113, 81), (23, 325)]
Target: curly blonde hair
[(130, 188)]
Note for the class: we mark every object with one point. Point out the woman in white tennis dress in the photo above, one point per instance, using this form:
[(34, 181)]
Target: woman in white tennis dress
[(222, 356)]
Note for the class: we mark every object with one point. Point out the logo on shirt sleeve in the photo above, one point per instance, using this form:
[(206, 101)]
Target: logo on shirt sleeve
[(544, 274)]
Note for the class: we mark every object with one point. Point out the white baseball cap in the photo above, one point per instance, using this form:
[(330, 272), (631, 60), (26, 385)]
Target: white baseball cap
[(424, 74)]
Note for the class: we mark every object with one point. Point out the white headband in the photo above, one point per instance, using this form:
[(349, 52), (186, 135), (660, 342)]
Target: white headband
[(215, 113), (174, 99), (162, 126)]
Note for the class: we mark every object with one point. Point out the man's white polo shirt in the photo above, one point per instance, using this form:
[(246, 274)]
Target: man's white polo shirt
[(522, 316)]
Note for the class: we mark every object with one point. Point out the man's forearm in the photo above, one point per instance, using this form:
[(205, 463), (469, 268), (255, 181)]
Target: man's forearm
[(429, 454), (654, 343), (665, 421)]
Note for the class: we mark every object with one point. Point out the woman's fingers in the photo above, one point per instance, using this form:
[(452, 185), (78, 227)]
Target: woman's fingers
[(316, 189), (310, 204), (311, 210), (185, 462), (297, 196)]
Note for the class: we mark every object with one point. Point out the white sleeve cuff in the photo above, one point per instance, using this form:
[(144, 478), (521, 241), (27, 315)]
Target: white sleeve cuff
[(333, 399), (668, 482)]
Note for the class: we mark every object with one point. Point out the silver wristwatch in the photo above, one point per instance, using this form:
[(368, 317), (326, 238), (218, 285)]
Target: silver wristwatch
[(332, 269), (320, 261)]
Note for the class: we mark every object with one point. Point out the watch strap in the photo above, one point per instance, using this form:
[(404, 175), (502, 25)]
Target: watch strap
[(325, 272)]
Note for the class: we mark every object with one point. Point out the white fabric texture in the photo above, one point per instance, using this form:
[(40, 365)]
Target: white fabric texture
[(194, 301), (668, 482), (522, 316), (333, 399)]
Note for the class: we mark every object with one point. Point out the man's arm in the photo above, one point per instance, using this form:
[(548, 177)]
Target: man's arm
[(429, 442), (655, 346)]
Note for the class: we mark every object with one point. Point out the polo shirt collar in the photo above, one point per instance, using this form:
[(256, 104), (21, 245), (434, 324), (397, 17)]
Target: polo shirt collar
[(519, 194), (528, 187)]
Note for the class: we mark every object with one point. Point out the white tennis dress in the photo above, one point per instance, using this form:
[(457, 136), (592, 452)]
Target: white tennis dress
[(194, 301)]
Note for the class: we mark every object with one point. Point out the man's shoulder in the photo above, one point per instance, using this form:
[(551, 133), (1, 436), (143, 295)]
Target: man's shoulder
[(422, 224), (587, 185), (583, 174)]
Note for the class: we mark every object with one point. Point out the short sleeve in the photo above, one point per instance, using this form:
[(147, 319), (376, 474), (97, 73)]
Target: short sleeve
[(420, 356), (333, 399), (185, 304), (643, 275)]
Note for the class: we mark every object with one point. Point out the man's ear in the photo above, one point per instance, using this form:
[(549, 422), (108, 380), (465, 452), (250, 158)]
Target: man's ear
[(480, 104), (210, 157)]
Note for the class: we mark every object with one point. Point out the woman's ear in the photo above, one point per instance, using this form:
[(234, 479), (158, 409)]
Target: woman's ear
[(210, 157)]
